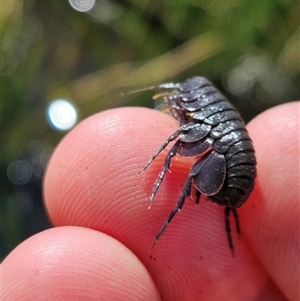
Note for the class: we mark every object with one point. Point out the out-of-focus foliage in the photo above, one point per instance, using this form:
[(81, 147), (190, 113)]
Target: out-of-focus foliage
[(249, 49)]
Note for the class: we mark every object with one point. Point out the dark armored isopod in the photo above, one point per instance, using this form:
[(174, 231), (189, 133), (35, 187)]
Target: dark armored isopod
[(211, 129)]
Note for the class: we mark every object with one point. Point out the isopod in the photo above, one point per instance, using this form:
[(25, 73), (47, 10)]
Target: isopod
[(212, 130)]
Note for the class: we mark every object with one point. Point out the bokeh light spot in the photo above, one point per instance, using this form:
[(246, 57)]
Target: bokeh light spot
[(82, 5), (19, 172), (62, 115)]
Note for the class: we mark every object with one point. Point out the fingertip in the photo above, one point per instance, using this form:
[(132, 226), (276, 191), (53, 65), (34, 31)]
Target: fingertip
[(275, 135), (72, 263), (271, 214), (103, 154)]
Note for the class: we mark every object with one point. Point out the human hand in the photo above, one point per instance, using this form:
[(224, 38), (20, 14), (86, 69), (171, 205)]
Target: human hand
[(92, 182)]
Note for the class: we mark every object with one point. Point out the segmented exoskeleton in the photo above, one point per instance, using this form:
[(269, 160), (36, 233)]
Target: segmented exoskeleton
[(212, 129)]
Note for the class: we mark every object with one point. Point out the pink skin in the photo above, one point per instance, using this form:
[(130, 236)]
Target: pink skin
[(92, 182)]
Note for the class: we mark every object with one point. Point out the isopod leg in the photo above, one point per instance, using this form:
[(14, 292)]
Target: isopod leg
[(186, 191), (228, 229), (163, 146), (198, 195), (183, 128), (173, 151), (237, 221)]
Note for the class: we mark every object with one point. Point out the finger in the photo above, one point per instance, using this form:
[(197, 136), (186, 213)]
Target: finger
[(73, 263), (271, 215), (93, 181)]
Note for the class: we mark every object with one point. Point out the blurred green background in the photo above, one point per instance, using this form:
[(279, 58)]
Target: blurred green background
[(54, 50)]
